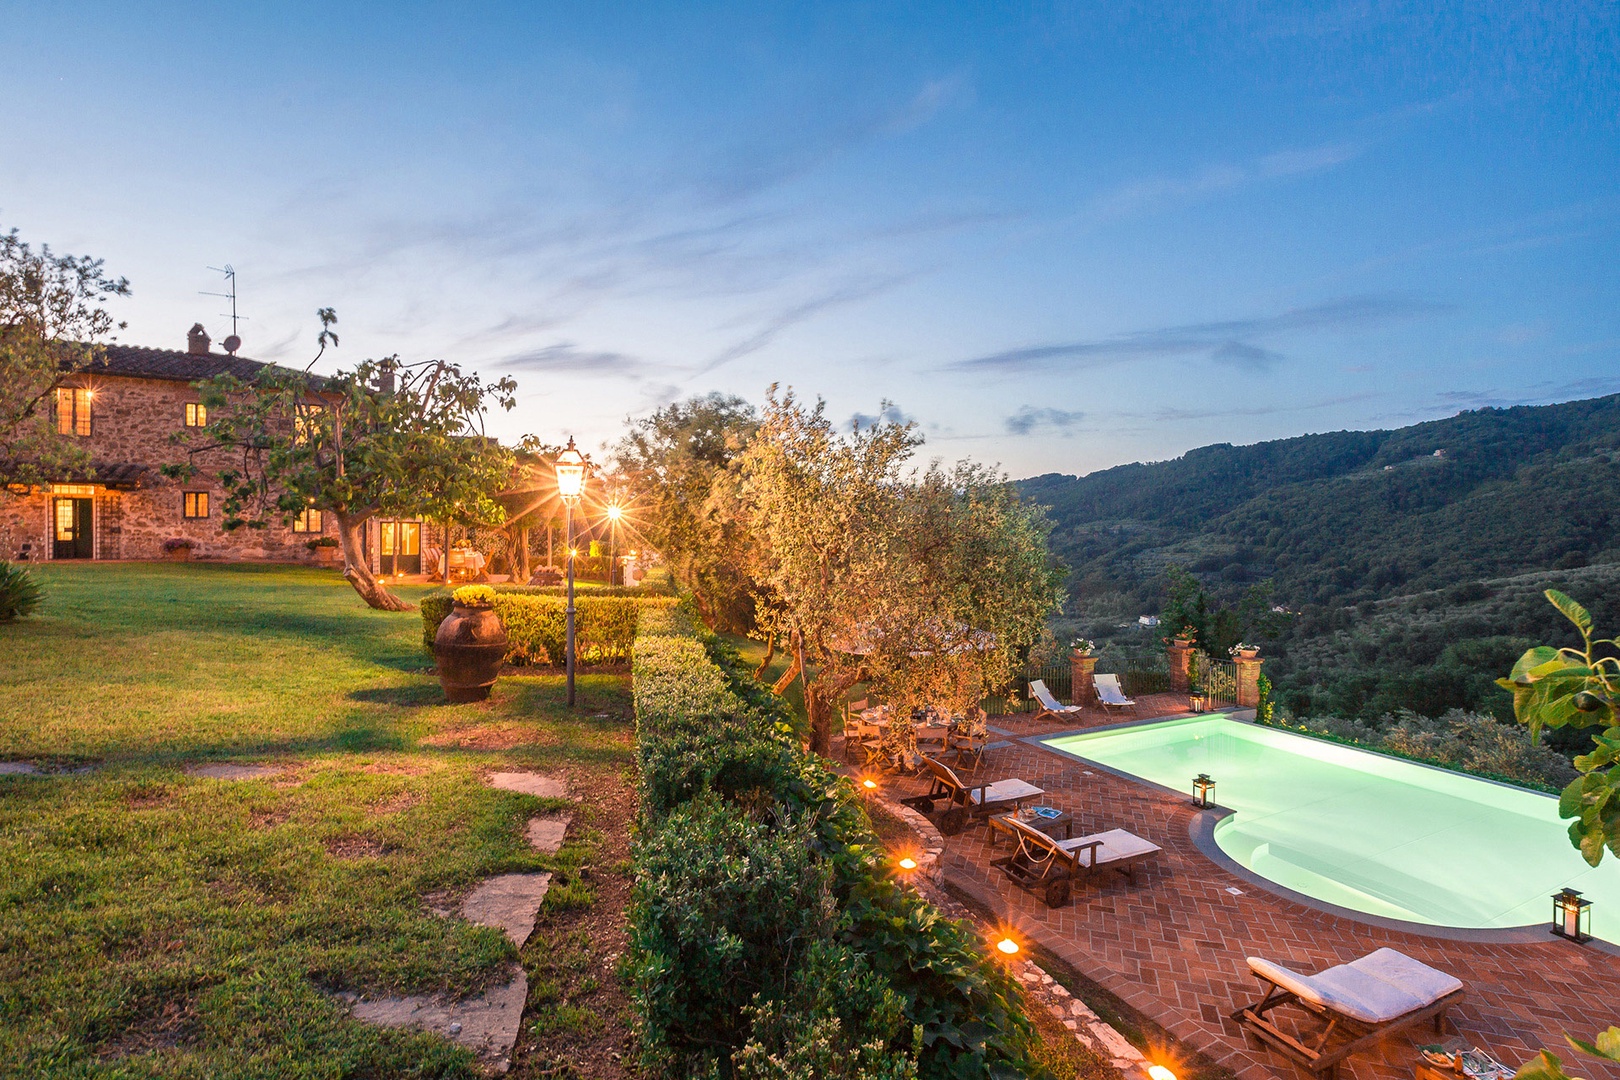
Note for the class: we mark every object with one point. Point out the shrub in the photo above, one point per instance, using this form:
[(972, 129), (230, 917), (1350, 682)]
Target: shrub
[(321, 542), (178, 543), (745, 837), (474, 595), (20, 594), (536, 628), (1464, 741)]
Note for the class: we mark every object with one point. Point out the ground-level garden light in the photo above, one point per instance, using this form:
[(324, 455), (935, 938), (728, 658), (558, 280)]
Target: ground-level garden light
[(1572, 916), (1159, 1072), (1007, 947), (570, 485), (1203, 791), (907, 863)]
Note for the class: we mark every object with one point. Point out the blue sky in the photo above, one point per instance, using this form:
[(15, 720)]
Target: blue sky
[(1058, 237)]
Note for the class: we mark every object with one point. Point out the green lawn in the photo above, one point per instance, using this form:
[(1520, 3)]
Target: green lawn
[(157, 924)]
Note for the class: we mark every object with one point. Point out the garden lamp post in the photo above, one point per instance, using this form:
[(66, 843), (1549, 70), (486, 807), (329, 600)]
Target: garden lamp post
[(614, 513), (570, 483)]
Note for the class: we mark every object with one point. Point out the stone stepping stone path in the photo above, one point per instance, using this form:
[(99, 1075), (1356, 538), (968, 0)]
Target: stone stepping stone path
[(18, 768), (223, 770), (528, 783), (508, 902), (546, 833), (489, 1023)]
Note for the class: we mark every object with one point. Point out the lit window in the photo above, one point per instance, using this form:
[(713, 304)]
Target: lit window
[(196, 504), (308, 522), (196, 414), (307, 423), (73, 410)]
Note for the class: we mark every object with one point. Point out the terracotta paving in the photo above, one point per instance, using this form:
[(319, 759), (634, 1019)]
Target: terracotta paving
[(1173, 944)]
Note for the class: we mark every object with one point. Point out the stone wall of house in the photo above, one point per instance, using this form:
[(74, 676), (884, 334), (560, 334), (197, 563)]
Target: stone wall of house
[(133, 421)]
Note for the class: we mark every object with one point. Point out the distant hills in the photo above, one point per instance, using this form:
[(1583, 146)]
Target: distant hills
[(1345, 524)]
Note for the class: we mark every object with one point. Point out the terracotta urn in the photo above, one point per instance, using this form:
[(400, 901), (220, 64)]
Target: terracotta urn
[(470, 646), (1248, 654)]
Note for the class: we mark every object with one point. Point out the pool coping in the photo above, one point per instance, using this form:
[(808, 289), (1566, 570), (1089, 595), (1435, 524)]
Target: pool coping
[(1201, 831)]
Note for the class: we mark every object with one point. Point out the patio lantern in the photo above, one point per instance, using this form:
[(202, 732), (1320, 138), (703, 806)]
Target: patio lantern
[(1203, 791), (570, 483), (1572, 916)]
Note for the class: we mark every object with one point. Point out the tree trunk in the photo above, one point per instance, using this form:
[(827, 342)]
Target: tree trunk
[(770, 654), (523, 571), (358, 573), (817, 706)]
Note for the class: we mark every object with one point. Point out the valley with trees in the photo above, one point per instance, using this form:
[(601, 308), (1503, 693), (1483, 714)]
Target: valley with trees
[(1379, 570)]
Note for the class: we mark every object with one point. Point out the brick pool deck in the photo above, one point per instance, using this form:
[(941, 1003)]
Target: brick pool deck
[(1173, 945)]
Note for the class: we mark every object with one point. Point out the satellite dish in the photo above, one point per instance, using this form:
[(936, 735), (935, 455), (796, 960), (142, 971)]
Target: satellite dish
[(231, 344)]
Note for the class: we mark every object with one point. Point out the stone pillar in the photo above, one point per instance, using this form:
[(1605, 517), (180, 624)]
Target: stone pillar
[(1180, 653), (1248, 681), (1083, 688)]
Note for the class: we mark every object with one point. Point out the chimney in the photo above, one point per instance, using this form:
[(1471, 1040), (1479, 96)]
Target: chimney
[(197, 340)]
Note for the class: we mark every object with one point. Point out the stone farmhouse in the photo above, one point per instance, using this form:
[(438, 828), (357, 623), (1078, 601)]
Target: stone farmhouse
[(126, 407)]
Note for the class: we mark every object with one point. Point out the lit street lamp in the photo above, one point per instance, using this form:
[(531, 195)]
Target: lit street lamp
[(570, 483), (614, 513)]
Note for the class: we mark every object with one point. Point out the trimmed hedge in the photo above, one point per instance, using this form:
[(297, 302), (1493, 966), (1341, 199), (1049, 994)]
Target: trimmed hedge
[(536, 623), (766, 937)]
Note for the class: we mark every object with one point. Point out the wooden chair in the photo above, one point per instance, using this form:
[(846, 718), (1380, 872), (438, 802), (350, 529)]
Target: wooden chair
[(1049, 704), (1046, 865), (932, 736), (967, 801), (1359, 1003), (1109, 695), (862, 737), (970, 738)]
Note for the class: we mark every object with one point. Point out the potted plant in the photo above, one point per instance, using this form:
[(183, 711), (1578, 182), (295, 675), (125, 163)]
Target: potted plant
[(1185, 638), (325, 549), (1083, 646), (178, 548), (1244, 651), (470, 645)]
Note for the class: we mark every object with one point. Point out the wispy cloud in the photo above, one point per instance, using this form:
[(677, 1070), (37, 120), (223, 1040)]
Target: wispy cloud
[(1029, 418), (1231, 341), (889, 414), (565, 358), (1163, 192), (801, 311)]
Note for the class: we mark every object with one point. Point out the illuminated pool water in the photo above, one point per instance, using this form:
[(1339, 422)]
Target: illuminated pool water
[(1368, 832)]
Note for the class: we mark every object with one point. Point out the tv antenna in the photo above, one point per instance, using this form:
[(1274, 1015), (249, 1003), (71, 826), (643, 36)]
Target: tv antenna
[(233, 342)]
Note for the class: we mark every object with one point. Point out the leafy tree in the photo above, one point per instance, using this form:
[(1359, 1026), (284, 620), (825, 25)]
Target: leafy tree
[(1218, 625), (678, 462), (51, 320), (1568, 687), (385, 438), (871, 575)]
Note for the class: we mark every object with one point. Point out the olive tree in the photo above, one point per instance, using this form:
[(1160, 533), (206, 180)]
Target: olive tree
[(678, 463), (384, 438), (929, 586), (52, 321)]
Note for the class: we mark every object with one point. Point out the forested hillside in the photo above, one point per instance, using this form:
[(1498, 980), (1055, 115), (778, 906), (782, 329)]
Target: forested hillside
[(1404, 553)]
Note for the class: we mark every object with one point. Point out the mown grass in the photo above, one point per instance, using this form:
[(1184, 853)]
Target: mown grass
[(154, 923)]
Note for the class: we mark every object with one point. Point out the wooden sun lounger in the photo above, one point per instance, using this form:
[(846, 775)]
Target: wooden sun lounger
[(1046, 865), (1050, 706), (1109, 695), (967, 801), (1359, 1002)]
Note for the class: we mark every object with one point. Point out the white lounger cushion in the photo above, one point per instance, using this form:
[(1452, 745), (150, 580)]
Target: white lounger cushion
[(1107, 687), (1006, 791), (1117, 844), (1048, 702), (1375, 989)]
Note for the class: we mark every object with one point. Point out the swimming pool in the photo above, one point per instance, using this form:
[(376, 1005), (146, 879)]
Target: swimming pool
[(1367, 832)]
